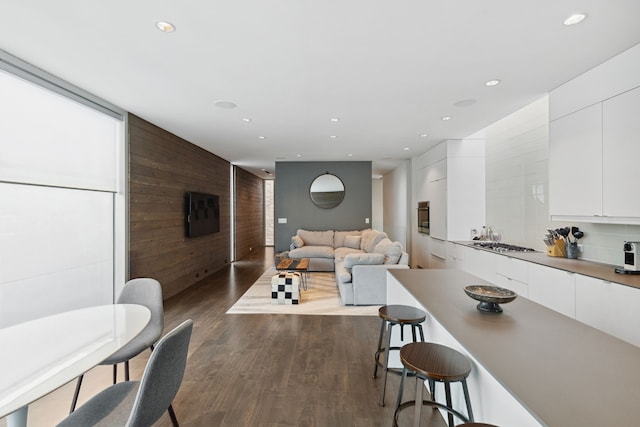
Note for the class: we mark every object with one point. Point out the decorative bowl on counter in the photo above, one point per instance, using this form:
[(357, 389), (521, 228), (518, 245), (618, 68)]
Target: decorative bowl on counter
[(490, 297)]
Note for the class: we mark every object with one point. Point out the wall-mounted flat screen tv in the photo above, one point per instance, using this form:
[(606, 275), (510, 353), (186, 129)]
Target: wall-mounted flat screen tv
[(202, 214)]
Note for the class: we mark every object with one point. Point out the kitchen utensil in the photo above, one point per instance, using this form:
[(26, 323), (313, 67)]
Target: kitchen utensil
[(578, 235)]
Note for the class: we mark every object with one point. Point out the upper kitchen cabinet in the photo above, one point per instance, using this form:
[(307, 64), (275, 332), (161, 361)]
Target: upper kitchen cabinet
[(620, 154), (593, 134), (575, 166)]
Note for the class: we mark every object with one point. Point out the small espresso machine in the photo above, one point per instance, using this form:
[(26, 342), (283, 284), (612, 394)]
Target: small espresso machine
[(631, 260)]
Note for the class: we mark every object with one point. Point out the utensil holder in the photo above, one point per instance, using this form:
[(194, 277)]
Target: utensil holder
[(572, 250), (558, 249)]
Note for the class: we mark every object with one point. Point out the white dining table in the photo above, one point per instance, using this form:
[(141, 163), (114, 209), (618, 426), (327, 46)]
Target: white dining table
[(41, 355)]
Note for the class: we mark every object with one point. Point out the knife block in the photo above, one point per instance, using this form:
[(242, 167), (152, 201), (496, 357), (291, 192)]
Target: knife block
[(558, 249)]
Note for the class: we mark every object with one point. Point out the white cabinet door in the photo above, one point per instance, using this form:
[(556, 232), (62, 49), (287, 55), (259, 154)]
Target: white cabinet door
[(512, 274), (620, 155), (438, 209), (553, 288), (453, 256), (438, 253), (419, 259), (575, 165), (610, 307), (482, 264)]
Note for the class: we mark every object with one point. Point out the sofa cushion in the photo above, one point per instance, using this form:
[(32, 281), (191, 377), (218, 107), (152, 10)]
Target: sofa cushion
[(316, 238), (342, 274), (363, 259), (308, 251), (297, 241), (392, 251), (370, 239), (352, 242), (339, 236), (342, 252)]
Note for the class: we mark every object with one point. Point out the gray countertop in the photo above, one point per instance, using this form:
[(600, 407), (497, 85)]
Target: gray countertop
[(563, 372), (584, 267)]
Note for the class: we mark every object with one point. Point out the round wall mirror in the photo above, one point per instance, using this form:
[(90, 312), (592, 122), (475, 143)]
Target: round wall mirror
[(327, 191)]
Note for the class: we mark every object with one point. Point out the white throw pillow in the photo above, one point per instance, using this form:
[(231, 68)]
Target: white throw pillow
[(316, 238), (363, 259), (370, 238), (391, 250), (297, 241), (352, 242)]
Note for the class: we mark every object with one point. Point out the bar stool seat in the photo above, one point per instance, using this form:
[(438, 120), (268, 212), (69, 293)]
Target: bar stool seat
[(434, 363), (392, 315)]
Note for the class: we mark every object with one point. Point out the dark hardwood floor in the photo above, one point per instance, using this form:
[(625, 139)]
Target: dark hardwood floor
[(275, 370), (260, 370)]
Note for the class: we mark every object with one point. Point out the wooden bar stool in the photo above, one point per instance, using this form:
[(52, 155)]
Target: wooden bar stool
[(434, 363), (392, 315)]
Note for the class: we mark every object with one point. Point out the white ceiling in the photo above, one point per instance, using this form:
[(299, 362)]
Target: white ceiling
[(388, 69)]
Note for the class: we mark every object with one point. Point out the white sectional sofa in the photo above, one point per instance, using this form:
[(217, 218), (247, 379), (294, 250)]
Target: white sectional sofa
[(360, 259)]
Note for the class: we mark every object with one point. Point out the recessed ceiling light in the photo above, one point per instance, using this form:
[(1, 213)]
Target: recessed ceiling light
[(298, 155), (349, 155), (261, 137), (445, 118), (406, 148), (333, 136), (492, 82), (226, 104), (166, 27), (424, 135), (335, 119), (246, 119), (574, 19)]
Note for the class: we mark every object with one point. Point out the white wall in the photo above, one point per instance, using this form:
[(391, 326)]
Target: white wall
[(396, 190), (377, 204), (516, 175)]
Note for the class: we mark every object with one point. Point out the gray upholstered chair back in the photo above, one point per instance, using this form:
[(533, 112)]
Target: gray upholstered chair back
[(147, 292), (162, 376)]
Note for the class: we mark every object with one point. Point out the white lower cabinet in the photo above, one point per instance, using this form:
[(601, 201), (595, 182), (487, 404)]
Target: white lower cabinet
[(553, 288), (478, 262), (610, 307), (437, 253), (512, 274)]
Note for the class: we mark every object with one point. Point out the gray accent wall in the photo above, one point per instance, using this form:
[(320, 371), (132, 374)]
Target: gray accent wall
[(292, 200)]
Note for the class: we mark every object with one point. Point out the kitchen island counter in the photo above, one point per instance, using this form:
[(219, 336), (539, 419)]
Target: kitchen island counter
[(558, 370)]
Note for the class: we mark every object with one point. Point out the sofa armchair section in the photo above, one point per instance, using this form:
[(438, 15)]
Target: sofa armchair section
[(359, 258)]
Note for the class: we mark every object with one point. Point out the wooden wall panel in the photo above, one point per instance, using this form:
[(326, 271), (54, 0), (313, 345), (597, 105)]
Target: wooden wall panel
[(249, 212), (162, 168)]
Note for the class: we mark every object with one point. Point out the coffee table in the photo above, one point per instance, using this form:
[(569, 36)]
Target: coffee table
[(296, 265)]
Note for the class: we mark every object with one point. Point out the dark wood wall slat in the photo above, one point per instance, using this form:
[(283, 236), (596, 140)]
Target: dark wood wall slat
[(249, 213), (162, 168)]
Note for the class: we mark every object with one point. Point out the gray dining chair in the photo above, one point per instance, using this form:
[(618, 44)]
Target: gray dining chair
[(140, 403), (146, 292)]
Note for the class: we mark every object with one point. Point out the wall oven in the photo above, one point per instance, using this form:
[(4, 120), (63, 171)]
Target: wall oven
[(423, 217)]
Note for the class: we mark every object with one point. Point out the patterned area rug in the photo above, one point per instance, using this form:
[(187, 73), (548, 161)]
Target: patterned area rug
[(320, 298)]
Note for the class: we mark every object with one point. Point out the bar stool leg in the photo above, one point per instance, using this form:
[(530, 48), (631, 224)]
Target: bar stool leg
[(399, 399), (385, 368), (467, 400), (375, 369), (417, 410), (447, 392), (421, 332)]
